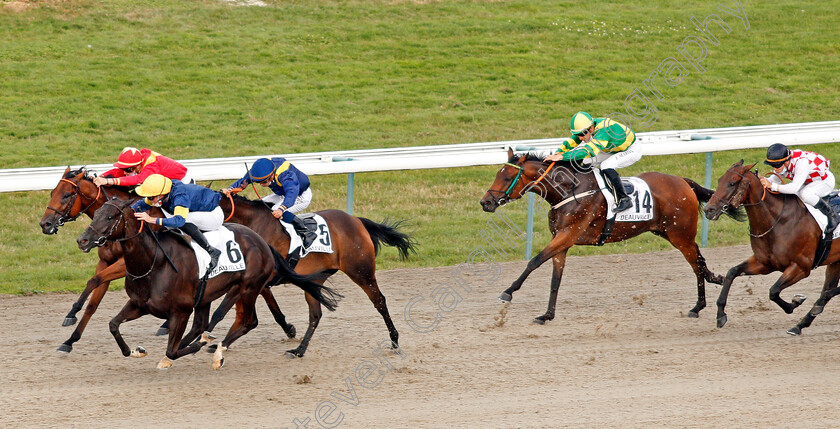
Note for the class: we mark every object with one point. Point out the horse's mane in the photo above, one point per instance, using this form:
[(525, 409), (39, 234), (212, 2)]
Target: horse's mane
[(537, 157), (90, 174), (249, 202)]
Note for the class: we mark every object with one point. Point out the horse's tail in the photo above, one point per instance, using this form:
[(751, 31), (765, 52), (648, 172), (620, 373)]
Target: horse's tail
[(390, 235), (704, 194), (325, 295)]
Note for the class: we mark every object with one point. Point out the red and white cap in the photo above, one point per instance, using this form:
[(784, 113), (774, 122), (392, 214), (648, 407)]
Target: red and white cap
[(129, 157)]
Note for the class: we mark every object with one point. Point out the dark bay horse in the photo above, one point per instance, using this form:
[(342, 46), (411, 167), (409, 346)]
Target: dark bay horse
[(74, 195), (783, 236), (579, 214), (355, 243), (162, 280)]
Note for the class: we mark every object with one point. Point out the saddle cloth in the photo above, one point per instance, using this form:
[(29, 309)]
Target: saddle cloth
[(231, 259), (322, 244), (639, 193), (822, 221)]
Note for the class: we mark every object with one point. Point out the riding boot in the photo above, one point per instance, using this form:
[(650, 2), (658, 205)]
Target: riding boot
[(199, 239), (623, 201), (305, 234), (824, 208)]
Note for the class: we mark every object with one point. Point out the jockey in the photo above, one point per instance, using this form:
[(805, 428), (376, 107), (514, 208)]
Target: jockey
[(291, 192), (610, 143), (135, 165), (192, 208), (808, 174)]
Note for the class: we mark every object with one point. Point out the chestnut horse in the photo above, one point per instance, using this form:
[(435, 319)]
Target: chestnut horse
[(579, 215), (75, 195), (167, 280), (355, 242), (783, 236)]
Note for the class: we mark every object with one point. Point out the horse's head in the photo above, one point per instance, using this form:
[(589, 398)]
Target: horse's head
[(731, 191), (74, 194), (109, 223), (525, 173)]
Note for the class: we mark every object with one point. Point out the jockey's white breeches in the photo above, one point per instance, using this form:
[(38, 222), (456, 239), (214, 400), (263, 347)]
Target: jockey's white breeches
[(205, 221), (626, 158), (301, 202), (812, 192)]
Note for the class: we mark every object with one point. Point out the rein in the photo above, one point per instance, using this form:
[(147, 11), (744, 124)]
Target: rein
[(232, 207)]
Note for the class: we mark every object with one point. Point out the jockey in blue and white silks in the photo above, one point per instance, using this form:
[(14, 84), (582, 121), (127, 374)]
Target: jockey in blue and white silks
[(291, 192), (192, 208)]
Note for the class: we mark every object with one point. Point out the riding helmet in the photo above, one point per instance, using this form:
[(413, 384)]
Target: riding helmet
[(129, 157), (777, 154), (580, 122), (261, 170), (154, 185)]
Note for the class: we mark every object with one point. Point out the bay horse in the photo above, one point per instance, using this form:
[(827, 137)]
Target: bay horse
[(783, 236), (74, 195), (579, 210), (167, 281), (355, 242)]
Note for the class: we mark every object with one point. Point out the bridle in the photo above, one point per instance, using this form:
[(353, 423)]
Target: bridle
[(505, 198), (65, 217), (725, 206), (104, 238)]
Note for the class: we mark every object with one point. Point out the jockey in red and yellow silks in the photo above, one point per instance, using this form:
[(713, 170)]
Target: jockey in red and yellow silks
[(135, 165)]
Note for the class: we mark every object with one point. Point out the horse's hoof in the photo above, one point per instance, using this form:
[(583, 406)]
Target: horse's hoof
[(206, 337), (798, 299), (794, 331), (538, 321), (721, 321), (693, 314), (162, 331), (505, 297), (291, 332), (292, 354), (165, 363), (212, 348), (65, 348), (718, 280), (138, 352), (218, 364), (69, 321), (817, 310)]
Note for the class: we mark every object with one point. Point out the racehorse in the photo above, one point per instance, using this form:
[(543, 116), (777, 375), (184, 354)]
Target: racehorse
[(75, 195), (783, 236), (167, 283), (579, 210), (355, 242)]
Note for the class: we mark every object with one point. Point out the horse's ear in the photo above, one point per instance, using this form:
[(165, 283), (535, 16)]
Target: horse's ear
[(67, 170), (510, 153), (751, 166)]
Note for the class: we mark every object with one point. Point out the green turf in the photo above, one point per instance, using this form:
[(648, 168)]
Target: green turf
[(194, 79)]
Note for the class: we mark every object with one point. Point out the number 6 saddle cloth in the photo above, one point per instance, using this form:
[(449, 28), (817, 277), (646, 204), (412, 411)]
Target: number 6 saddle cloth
[(231, 259), (322, 244)]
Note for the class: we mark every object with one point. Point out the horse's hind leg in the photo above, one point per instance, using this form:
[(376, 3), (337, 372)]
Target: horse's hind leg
[(279, 317), (559, 262), (829, 290), (366, 279), (790, 276), (230, 298), (314, 318), (684, 242)]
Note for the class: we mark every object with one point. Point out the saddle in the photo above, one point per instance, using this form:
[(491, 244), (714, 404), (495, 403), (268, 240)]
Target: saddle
[(824, 246)]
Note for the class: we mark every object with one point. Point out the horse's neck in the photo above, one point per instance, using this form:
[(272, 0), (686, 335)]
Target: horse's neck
[(138, 249), (763, 208), (581, 182)]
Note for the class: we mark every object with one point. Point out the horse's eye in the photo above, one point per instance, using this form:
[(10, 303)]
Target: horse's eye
[(110, 218), (732, 183), (66, 195)]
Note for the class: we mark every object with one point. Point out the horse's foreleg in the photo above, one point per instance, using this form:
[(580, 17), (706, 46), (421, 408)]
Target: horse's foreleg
[(227, 302), (128, 312), (246, 319), (104, 274), (557, 244), (202, 314), (314, 318), (791, 275), (177, 326), (829, 290), (559, 262), (279, 317), (749, 267)]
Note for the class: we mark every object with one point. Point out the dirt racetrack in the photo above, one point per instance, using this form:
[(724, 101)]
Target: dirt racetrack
[(620, 353)]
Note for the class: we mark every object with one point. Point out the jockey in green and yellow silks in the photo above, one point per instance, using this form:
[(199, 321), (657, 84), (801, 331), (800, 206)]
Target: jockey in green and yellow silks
[(609, 144)]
